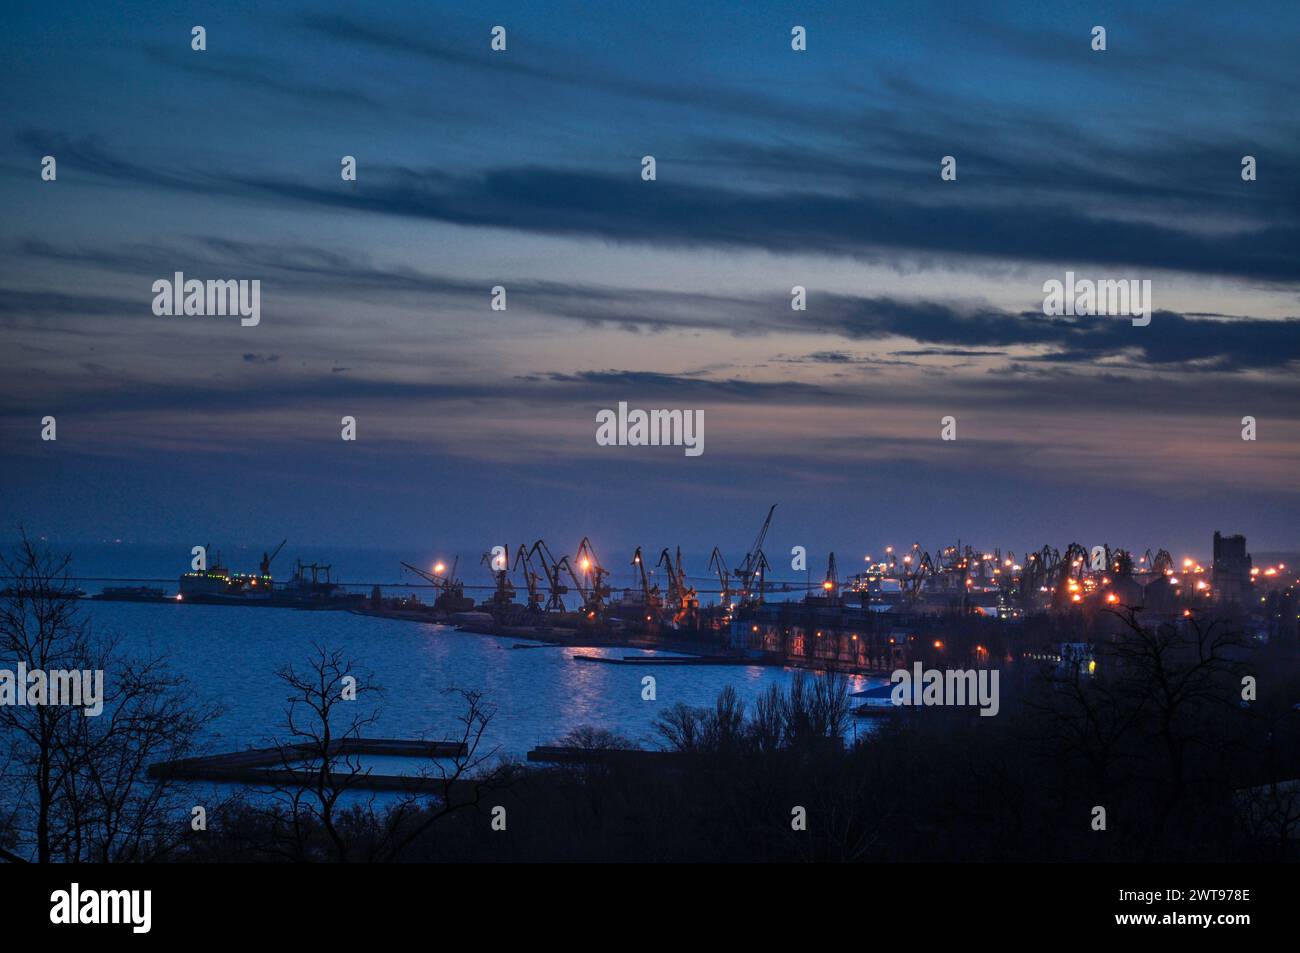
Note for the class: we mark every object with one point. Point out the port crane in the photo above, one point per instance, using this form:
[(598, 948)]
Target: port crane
[(650, 596), (1122, 563), (504, 595), (593, 587), (451, 591), (1035, 576), (755, 565), (443, 583), (1161, 564), (831, 585), (917, 566), (265, 565), (554, 570), (718, 564), (531, 579), (683, 597)]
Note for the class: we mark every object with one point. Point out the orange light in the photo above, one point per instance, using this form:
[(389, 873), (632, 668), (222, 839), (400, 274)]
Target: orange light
[(828, 585), (439, 568), (938, 644), (1112, 598)]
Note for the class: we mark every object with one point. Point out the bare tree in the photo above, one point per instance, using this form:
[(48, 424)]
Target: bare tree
[(459, 782), (1178, 673), (321, 778), (76, 787), (318, 770)]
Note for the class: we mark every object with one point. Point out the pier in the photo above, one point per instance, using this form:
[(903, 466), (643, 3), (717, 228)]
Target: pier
[(656, 660), (272, 767)]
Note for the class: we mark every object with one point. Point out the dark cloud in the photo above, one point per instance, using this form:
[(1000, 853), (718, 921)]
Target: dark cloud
[(537, 62), (577, 203), (253, 73), (1171, 341), (949, 352)]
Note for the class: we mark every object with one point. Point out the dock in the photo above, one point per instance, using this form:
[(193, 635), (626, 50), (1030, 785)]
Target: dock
[(272, 767), (656, 660)]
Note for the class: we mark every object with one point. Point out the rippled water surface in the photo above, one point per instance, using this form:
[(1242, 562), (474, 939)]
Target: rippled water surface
[(231, 654)]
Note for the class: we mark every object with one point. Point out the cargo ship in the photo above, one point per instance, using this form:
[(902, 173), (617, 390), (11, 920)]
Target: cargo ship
[(217, 585), (318, 592), (220, 586)]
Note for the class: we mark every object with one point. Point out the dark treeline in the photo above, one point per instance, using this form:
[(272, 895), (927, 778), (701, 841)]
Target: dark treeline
[(1160, 737), (1183, 744)]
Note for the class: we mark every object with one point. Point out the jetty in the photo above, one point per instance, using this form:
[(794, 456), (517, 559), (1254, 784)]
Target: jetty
[(274, 767)]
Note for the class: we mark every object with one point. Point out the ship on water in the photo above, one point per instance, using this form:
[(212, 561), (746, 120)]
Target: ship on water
[(310, 587), (131, 594), (218, 585), (317, 592)]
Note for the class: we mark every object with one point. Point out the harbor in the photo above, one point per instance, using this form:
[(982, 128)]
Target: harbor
[(955, 603)]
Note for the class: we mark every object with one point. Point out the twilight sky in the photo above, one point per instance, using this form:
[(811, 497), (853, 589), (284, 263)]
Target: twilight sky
[(775, 169)]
